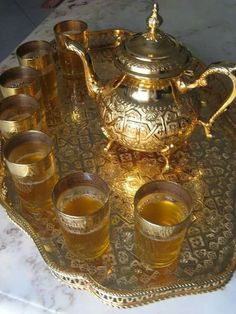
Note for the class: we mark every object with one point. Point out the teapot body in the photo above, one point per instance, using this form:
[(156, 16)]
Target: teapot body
[(148, 118)]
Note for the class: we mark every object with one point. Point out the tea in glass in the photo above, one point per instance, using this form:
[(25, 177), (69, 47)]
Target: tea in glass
[(23, 80), (19, 113), (162, 214), (38, 54), (30, 159), (81, 203)]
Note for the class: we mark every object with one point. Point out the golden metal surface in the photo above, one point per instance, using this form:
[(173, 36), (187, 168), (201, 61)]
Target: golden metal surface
[(153, 22), (148, 106), (153, 54), (219, 68), (206, 168)]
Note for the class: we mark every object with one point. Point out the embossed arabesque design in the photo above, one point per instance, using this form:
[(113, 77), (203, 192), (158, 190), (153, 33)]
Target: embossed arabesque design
[(207, 168), (150, 127)]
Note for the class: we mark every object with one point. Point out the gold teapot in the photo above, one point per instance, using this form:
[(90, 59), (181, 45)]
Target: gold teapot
[(149, 107)]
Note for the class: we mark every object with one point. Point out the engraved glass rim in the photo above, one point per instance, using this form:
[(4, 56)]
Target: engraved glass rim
[(65, 183), (23, 137), (68, 25), (18, 100), (34, 45), (20, 72), (158, 185)]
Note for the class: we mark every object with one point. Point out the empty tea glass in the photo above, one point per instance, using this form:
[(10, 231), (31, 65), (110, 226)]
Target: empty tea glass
[(38, 54), (163, 212), (81, 201), (75, 30), (31, 162)]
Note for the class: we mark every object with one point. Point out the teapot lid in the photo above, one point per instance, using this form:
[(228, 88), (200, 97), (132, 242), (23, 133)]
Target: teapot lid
[(153, 54)]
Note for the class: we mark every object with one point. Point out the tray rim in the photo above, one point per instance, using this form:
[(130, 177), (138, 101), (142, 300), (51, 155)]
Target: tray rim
[(118, 298), (91, 285)]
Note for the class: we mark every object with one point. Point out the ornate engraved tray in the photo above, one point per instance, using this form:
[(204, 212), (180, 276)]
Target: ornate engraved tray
[(206, 167)]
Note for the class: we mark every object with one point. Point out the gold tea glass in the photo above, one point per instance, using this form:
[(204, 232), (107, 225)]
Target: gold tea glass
[(75, 30), (30, 160), (19, 113), (23, 80), (81, 202), (162, 213), (38, 54)]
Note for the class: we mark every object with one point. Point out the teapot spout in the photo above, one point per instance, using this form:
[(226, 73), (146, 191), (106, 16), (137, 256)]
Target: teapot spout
[(92, 82)]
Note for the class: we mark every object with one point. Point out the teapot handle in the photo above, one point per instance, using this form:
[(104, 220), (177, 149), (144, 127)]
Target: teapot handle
[(214, 68)]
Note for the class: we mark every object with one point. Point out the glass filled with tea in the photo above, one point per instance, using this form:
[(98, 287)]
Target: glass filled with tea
[(19, 113), (81, 201), (31, 162), (163, 212), (38, 54), (24, 80)]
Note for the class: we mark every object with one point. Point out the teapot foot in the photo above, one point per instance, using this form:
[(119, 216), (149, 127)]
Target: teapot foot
[(108, 146), (166, 154), (167, 167)]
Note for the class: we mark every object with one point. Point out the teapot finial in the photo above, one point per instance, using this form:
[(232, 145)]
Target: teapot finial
[(153, 23)]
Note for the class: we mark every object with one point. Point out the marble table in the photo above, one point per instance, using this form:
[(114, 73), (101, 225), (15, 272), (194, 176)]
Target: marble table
[(26, 284)]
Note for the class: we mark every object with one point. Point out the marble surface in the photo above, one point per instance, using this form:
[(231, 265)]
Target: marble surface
[(26, 284)]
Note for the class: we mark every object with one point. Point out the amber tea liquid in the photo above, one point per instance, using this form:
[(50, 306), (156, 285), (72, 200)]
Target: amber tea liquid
[(34, 191), (49, 77), (161, 210), (91, 238)]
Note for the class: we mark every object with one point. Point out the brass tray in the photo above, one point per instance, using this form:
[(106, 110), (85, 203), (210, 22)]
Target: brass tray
[(206, 167)]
